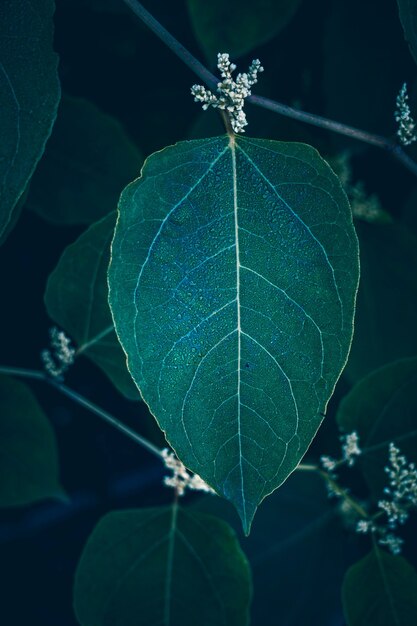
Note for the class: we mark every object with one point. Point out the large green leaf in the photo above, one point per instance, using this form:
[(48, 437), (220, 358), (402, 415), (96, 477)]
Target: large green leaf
[(238, 26), (385, 325), (163, 566), (87, 162), (380, 590), (408, 16), (29, 95), (28, 453), (76, 299), (232, 284), (382, 408)]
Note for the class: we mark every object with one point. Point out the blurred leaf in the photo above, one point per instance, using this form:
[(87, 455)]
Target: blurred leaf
[(238, 26), (29, 95), (87, 162), (232, 280), (408, 16), (380, 590), (382, 408), (297, 524), (28, 454), (360, 77), (162, 566), (76, 299), (386, 309)]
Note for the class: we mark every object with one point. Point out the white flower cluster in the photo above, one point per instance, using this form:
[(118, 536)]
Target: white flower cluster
[(57, 361), (406, 131), (181, 478), (402, 495), (231, 93), (350, 447)]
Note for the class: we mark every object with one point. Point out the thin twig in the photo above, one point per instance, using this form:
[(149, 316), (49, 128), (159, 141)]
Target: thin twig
[(84, 402), (386, 144)]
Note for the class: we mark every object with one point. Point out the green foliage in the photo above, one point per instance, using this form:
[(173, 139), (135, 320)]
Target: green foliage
[(232, 285), (28, 454), (385, 323), (238, 26), (380, 590), (87, 162), (165, 566), (382, 408), (29, 96), (408, 16), (76, 299)]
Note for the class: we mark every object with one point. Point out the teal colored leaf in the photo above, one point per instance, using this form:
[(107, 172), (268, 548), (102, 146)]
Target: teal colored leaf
[(380, 590), (408, 17), (385, 323), (382, 408), (238, 26), (28, 453), (76, 299), (165, 566), (232, 284), (89, 159), (29, 95)]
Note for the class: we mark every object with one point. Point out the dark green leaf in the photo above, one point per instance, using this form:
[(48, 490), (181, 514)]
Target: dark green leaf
[(28, 454), (380, 590), (162, 566), (385, 324), (382, 408), (238, 26), (76, 299), (29, 95), (408, 16), (232, 284), (297, 524), (87, 162)]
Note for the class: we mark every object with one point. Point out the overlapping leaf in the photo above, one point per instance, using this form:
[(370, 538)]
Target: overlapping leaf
[(232, 285), (29, 95), (408, 16), (87, 162), (28, 455), (381, 589), (238, 26), (76, 299), (165, 567)]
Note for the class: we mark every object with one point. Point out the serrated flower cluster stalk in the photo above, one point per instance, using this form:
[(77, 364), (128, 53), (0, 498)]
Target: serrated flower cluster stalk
[(231, 93), (406, 131), (57, 361)]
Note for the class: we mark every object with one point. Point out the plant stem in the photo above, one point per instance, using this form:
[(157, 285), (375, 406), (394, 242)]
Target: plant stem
[(211, 81), (84, 402)]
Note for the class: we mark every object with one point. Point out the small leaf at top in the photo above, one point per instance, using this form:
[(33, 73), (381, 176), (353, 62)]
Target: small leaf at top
[(382, 408), (165, 567), (29, 95), (28, 453), (76, 299), (380, 590), (238, 26), (408, 17), (232, 280), (87, 162)]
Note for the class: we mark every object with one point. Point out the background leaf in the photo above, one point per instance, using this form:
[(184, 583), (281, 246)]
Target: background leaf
[(382, 408), (232, 283), (29, 95), (408, 16), (76, 299), (297, 524), (386, 310), (238, 26), (381, 589), (28, 454), (164, 566), (87, 162)]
